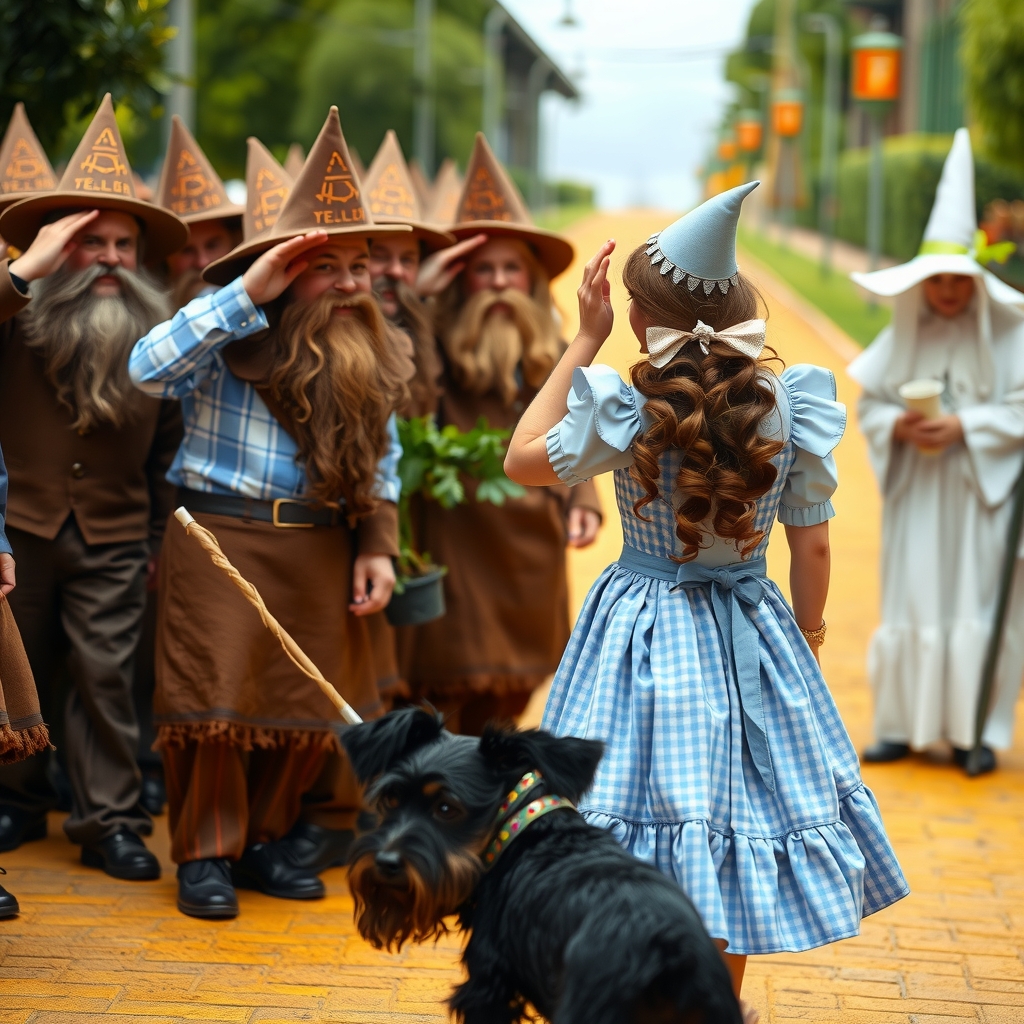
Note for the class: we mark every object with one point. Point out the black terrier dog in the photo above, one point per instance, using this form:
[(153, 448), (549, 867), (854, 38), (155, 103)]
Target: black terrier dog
[(562, 918)]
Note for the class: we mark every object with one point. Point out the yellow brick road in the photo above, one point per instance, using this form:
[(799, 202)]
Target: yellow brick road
[(87, 946)]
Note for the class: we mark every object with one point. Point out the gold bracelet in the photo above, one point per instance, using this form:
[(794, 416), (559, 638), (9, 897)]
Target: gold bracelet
[(815, 637)]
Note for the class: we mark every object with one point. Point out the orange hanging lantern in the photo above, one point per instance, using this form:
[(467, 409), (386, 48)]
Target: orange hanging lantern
[(787, 113), (749, 132), (727, 149), (876, 67)]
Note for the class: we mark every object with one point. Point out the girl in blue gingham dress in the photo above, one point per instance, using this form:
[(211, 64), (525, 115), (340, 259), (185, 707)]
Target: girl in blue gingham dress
[(726, 764)]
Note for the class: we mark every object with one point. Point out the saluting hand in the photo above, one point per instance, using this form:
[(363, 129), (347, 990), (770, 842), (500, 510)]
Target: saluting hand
[(596, 313), (275, 270), (51, 246), (439, 269)]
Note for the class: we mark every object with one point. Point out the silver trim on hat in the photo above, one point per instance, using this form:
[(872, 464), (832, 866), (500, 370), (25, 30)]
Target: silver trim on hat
[(653, 250)]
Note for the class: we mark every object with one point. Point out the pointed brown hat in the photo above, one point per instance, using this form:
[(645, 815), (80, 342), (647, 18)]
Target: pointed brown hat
[(326, 196), (268, 186), (189, 186), (24, 169), (391, 194), (97, 178), (420, 183), (294, 159), (445, 194), (491, 204)]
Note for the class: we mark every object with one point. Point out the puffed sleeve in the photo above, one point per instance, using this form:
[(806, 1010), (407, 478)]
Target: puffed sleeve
[(595, 435), (818, 423)]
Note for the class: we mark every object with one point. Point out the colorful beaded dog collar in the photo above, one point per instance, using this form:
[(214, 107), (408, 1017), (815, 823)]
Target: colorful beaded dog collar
[(511, 826)]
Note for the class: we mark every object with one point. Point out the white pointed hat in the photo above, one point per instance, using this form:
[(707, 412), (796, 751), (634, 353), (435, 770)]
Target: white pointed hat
[(952, 243)]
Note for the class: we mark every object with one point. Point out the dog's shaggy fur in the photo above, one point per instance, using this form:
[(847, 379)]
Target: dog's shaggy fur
[(565, 921)]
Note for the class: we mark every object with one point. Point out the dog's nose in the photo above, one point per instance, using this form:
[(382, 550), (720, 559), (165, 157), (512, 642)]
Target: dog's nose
[(389, 863)]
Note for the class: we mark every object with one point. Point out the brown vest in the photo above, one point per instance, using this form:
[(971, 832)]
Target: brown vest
[(113, 479)]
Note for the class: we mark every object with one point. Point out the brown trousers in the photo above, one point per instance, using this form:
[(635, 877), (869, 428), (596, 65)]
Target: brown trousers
[(83, 602), (222, 798)]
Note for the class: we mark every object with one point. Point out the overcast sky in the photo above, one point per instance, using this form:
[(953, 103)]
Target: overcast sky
[(653, 90)]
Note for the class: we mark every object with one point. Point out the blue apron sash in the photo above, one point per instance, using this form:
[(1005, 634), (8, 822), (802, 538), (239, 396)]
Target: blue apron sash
[(736, 590)]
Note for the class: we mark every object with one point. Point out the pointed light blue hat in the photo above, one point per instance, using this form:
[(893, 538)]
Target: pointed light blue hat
[(700, 248)]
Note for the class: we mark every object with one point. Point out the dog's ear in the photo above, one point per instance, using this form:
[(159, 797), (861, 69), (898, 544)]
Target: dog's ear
[(567, 763), (374, 747)]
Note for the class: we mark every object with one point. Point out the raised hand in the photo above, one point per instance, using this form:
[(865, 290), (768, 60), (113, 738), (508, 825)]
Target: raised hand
[(596, 313), (51, 246), (275, 270), (439, 269)]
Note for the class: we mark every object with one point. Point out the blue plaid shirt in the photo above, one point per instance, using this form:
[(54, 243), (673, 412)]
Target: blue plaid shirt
[(232, 443)]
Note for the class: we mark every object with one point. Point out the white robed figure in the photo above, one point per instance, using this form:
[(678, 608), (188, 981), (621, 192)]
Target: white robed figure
[(946, 481)]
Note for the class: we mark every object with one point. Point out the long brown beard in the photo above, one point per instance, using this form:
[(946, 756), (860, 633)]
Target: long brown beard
[(415, 319), (85, 339), (340, 378), (486, 346), (187, 287)]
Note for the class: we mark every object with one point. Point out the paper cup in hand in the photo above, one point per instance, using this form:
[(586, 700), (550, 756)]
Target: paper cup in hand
[(924, 396)]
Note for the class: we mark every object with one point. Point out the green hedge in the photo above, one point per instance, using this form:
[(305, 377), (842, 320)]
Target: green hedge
[(912, 165)]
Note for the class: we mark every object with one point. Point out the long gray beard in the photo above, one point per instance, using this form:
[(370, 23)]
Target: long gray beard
[(85, 340)]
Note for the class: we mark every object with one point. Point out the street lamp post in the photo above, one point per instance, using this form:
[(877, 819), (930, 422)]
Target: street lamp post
[(787, 123), (876, 84), (423, 122), (829, 25)]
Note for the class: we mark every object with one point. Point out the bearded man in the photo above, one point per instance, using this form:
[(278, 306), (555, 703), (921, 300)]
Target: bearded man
[(192, 190), (86, 455), (289, 378), (506, 590)]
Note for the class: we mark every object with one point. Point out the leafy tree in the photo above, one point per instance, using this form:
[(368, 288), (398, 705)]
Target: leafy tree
[(362, 61), (993, 58), (271, 68), (60, 56)]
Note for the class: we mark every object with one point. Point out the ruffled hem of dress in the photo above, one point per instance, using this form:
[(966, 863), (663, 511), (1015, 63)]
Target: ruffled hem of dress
[(560, 462), (787, 893), (17, 744), (176, 735)]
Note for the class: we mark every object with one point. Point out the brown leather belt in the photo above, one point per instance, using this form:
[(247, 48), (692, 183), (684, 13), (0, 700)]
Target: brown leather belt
[(284, 513)]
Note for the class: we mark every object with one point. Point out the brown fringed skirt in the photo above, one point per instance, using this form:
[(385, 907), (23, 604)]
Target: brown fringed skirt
[(22, 731), (220, 672)]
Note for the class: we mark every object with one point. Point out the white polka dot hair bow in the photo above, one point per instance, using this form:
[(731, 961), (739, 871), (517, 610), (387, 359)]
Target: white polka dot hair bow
[(664, 342)]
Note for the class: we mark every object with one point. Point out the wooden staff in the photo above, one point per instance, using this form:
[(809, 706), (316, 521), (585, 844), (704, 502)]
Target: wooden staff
[(291, 648), (995, 642)]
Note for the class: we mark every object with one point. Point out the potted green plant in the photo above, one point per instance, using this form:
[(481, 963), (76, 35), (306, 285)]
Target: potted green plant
[(434, 465)]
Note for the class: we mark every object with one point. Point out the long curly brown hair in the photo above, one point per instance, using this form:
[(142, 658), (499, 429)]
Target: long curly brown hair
[(709, 405)]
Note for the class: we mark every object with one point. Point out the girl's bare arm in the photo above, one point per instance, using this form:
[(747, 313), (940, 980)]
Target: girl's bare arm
[(810, 564), (526, 461)]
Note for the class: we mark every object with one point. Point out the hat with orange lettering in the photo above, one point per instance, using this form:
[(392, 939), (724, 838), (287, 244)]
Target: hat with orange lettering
[(326, 196), (189, 186), (267, 185), (97, 178), (24, 169), (490, 204), (390, 193), (444, 194)]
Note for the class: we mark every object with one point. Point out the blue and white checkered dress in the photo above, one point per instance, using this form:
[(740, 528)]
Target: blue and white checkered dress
[(787, 864)]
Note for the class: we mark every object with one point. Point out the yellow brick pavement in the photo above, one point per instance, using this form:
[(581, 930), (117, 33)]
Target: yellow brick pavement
[(88, 947)]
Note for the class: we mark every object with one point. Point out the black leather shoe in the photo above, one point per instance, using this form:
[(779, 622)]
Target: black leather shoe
[(985, 763), (8, 904), (315, 848), (17, 827), (153, 795), (882, 752), (205, 889), (267, 868), (122, 855)]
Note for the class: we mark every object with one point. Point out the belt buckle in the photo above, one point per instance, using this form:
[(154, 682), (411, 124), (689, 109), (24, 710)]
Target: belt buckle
[(276, 518)]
